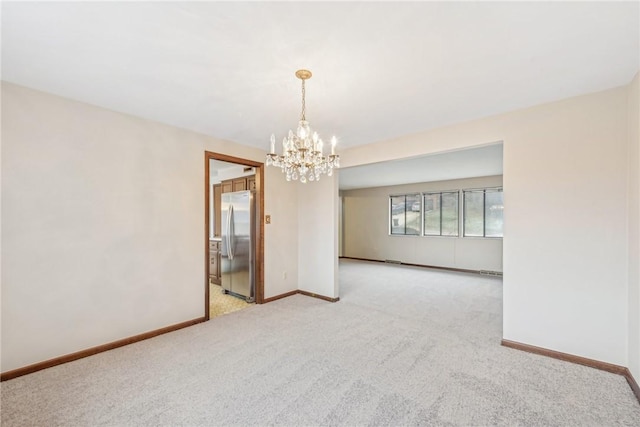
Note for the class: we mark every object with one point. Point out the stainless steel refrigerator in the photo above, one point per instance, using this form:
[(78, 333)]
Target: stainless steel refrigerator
[(238, 237)]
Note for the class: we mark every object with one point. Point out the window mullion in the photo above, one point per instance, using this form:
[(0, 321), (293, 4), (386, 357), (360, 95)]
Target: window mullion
[(404, 212), (440, 202), (405, 215), (484, 213), (422, 215)]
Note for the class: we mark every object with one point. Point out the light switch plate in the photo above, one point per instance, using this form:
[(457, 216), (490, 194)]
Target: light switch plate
[(267, 219)]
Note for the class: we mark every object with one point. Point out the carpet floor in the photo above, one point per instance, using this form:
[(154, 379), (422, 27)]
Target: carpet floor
[(403, 346)]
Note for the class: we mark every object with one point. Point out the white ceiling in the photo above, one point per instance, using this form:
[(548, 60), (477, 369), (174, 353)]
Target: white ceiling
[(474, 162), (380, 69)]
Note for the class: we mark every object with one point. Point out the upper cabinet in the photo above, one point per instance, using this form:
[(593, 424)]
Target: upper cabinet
[(227, 186), (239, 184), (251, 182)]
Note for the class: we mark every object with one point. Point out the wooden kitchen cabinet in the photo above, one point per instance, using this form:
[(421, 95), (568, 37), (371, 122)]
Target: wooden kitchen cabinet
[(239, 184), (214, 261), (251, 182), (227, 186), (217, 214)]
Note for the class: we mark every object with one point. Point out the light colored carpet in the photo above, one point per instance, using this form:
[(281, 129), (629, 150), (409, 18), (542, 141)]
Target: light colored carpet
[(221, 303), (404, 346)]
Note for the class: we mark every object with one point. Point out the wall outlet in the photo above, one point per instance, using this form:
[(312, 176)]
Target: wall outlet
[(267, 219), (284, 275)]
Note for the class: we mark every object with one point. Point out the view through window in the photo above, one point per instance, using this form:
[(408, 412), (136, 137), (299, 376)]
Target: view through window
[(438, 213), (483, 212), (405, 214), (441, 214)]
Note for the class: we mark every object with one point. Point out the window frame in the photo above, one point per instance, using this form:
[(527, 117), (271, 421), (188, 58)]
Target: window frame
[(461, 212), (390, 212), (440, 193), (484, 206)]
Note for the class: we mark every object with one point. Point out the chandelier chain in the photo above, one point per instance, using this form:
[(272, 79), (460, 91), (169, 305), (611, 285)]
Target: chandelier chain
[(302, 117)]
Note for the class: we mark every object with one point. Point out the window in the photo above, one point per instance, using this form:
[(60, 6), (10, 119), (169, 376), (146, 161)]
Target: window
[(441, 214), (483, 212), (437, 213), (404, 214)]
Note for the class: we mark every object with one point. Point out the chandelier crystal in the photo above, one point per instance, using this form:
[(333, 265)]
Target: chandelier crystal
[(302, 152)]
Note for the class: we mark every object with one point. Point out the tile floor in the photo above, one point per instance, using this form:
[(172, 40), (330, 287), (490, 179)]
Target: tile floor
[(221, 303)]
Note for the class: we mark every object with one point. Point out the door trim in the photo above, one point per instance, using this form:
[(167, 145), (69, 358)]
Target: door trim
[(259, 243)]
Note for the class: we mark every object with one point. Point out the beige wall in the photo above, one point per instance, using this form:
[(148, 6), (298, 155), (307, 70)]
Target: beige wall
[(317, 236), (102, 220), (366, 230), (103, 226), (634, 226), (565, 235), (281, 255)]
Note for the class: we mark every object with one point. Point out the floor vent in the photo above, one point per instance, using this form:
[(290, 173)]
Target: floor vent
[(490, 273), (392, 261)]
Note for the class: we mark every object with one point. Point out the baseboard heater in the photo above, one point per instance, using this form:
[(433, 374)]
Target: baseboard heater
[(490, 273), (461, 270)]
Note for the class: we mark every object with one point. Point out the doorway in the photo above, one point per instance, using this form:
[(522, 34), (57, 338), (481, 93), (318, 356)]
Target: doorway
[(227, 174)]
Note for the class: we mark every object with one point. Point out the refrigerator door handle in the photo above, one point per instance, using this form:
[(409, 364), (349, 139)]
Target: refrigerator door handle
[(229, 231)]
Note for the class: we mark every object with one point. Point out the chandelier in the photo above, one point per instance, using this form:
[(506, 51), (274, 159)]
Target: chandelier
[(302, 157)]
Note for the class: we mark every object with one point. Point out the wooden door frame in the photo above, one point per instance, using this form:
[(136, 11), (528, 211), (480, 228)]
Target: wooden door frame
[(259, 242)]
